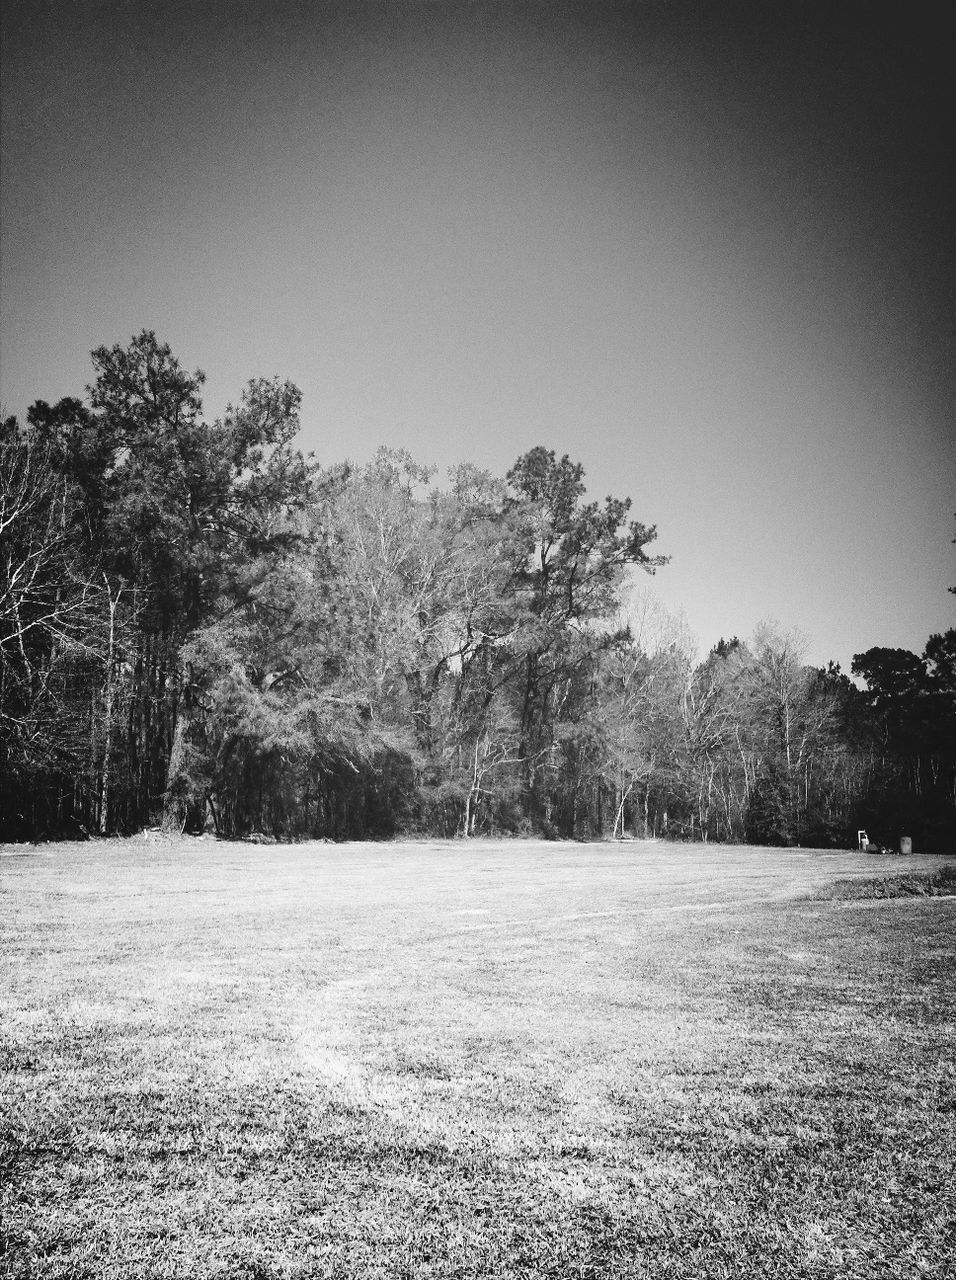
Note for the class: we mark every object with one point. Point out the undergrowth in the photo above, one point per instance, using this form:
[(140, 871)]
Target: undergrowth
[(908, 884)]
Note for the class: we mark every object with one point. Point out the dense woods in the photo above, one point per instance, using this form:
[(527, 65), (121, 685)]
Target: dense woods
[(202, 628)]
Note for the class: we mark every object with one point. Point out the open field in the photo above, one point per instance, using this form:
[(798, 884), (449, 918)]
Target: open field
[(440, 1059)]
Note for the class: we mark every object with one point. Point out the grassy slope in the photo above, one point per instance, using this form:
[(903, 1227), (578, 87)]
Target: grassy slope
[(437, 1060)]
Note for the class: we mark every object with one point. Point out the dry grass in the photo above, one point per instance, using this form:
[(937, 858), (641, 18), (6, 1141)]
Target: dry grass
[(423, 1060)]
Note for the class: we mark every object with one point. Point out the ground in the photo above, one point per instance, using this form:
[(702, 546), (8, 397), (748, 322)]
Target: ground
[(473, 1059)]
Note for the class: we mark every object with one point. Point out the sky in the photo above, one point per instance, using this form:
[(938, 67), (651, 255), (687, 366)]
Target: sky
[(706, 249)]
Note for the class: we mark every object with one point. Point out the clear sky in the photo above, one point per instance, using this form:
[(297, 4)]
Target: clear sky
[(707, 249)]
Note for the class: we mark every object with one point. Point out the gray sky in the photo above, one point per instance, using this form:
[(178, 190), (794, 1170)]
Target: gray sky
[(705, 248)]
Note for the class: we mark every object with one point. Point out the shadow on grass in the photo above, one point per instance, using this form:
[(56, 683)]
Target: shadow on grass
[(274, 1182)]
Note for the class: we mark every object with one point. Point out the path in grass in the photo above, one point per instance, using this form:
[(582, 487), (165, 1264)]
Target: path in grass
[(487, 1059)]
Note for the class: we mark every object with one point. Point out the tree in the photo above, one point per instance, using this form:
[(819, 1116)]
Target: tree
[(636, 708), (567, 559), (939, 657), (51, 613), (914, 708), (419, 575), (198, 623), (180, 516), (789, 718)]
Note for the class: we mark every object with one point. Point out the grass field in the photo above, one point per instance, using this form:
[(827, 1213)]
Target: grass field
[(439, 1059)]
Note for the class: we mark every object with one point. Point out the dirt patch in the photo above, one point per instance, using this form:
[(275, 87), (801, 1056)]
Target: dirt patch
[(911, 884)]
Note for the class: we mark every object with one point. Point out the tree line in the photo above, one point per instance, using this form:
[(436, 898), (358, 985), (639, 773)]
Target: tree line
[(203, 628)]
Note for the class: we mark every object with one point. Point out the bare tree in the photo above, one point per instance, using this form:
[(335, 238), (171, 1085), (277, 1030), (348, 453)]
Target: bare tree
[(51, 611)]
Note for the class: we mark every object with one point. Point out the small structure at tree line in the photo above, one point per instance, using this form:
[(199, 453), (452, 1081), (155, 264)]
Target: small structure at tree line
[(906, 844)]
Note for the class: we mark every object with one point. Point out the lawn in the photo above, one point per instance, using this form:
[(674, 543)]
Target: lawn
[(447, 1059)]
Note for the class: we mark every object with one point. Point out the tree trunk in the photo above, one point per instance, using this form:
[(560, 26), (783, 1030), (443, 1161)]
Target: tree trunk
[(108, 695)]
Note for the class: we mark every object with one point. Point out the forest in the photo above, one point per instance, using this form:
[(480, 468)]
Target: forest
[(203, 629)]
